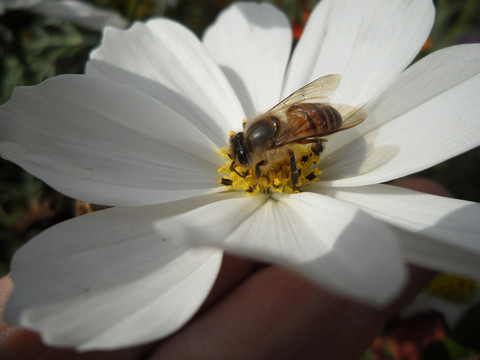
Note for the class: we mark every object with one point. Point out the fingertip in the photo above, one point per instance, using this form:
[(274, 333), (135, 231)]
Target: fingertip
[(424, 185)]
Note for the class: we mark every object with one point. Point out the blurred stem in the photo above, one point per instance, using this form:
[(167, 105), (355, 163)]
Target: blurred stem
[(459, 25)]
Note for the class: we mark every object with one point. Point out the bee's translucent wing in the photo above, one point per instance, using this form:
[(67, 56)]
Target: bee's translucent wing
[(351, 115), (318, 91)]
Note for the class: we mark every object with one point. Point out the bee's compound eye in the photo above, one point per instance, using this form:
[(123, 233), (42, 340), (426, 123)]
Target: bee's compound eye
[(239, 150)]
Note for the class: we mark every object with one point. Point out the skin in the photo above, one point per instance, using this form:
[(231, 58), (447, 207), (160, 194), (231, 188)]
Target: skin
[(255, 311)]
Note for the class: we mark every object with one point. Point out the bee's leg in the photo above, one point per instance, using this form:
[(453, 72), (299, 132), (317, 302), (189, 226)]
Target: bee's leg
[(318, 147), (293, 171), (258, 172), (226, 182), (317, 144), (232, 168), (251, 189)]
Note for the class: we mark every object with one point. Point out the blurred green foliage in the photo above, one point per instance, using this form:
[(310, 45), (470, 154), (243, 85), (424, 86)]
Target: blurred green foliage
[(33, 48)]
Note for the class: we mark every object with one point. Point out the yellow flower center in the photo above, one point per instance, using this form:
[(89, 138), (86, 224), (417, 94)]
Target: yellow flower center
[(276, 179), (452, 287)]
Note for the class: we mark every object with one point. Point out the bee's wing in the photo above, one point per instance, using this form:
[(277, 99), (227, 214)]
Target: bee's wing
[(351, 115), (318, 91)]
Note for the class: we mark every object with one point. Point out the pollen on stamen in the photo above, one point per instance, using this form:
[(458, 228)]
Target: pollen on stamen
[(275, 179), (452, 287)]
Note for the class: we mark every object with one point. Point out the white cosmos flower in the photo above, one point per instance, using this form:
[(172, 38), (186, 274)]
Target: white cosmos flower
[(77, 12), (141, 131)]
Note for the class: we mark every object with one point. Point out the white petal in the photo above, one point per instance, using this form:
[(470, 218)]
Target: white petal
[(251, 42), (430, 114), (332, 243), (441, 233), (80, 13), (107, 280), (368, 42), (103, 142), (166, 61), (18, 4), (451, 310)]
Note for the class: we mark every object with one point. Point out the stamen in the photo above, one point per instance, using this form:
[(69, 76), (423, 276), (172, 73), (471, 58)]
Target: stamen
[(276, 178), (452, 287)]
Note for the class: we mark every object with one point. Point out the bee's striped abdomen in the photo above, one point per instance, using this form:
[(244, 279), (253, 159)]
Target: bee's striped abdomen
[(321, 119)]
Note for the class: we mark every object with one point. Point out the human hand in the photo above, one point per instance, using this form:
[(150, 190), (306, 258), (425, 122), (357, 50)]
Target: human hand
[(252, 313)]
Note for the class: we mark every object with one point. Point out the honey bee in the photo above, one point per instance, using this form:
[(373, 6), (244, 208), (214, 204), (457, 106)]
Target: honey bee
[(305, 117)]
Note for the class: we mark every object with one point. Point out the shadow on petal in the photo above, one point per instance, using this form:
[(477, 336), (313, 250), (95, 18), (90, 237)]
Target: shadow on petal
[(433, 231), (451, 245), (333, 244), (356, 158), (242, 92), (182, 105), (367, 270)]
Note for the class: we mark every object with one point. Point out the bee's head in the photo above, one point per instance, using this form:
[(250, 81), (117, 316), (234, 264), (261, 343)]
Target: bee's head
[(238, 148)]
